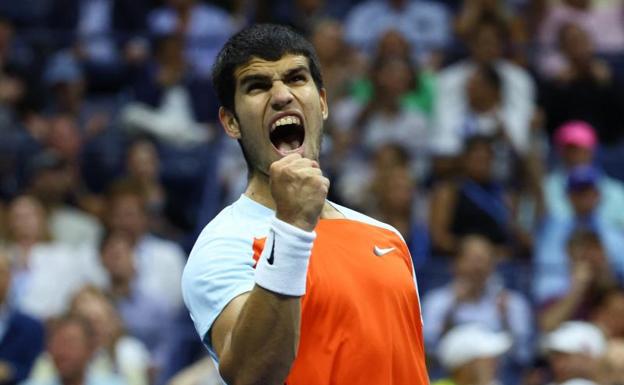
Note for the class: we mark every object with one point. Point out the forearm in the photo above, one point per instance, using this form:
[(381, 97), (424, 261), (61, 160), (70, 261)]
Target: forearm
[(264, 340), (560, 311)]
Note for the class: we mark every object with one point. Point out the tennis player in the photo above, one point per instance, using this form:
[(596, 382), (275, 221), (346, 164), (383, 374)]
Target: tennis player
[(285, 287)]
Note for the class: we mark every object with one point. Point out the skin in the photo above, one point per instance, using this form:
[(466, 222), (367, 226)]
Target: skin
[(257, 334), (589, 269), (127, 215), (480, 371), (118, 260), (566, 366), (71, 350)]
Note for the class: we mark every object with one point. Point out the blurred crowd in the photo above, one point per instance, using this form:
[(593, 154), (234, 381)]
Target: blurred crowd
[(490, 133)]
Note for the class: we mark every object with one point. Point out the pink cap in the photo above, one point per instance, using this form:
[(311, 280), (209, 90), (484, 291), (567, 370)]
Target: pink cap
[(576, 133)]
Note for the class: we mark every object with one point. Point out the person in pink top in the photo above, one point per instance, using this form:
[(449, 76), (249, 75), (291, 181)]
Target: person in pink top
[(604, 22)]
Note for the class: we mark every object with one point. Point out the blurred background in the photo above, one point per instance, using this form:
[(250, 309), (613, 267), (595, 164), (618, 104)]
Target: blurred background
[(488, 132)]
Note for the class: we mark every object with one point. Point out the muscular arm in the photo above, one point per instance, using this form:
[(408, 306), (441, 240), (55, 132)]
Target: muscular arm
[(256, 337)]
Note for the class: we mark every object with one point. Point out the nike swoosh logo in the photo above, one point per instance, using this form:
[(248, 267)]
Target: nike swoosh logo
[(381, 252), (271, 258)]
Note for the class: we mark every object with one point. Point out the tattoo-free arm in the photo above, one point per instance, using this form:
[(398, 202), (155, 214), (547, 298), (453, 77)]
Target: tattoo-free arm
[(256, 337)]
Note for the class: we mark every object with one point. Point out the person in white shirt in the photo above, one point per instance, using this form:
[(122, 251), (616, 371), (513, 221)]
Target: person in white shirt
[(477, 295)]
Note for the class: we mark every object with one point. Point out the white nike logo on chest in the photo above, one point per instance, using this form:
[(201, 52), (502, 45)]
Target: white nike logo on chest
[(381, 252)]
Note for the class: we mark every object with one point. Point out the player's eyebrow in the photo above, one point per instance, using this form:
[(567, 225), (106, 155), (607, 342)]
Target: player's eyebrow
[(253, 78), (247, 79), (294, 71)]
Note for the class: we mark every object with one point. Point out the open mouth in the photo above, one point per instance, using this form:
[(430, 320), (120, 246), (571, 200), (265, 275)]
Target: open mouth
[(287, 134)]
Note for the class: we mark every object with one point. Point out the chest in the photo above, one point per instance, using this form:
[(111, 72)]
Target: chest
[(357, 269)]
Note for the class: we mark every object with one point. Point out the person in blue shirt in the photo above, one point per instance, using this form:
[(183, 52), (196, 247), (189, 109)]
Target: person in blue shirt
[(21, 337), (552, 266)]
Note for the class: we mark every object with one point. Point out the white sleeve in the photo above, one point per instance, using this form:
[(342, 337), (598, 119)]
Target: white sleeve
[(220, 268)]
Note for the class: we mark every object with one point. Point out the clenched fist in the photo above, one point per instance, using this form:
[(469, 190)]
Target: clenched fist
[(299, 190)]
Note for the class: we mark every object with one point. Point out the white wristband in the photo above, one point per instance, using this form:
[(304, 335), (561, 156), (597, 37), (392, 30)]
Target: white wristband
[(283, 265)]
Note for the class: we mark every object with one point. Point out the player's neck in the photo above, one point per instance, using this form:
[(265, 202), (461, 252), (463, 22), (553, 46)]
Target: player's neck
[(258, 189)]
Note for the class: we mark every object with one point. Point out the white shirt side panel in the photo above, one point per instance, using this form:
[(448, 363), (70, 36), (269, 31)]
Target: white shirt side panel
[(220, 266)]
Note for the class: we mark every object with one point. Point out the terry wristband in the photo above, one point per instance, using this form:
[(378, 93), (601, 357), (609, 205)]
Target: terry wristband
[(283, 265)]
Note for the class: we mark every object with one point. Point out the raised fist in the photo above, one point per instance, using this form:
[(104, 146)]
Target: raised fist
[(299, 190)]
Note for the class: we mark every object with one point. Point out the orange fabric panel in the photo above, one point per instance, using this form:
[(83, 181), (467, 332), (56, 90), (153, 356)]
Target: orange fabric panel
[(361, 321), (258, 246)]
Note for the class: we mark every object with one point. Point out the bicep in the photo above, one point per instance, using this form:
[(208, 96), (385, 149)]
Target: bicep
[(221, 331)]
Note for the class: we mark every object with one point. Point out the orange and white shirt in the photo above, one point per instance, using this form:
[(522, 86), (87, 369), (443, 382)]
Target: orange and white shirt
[(360, 316)]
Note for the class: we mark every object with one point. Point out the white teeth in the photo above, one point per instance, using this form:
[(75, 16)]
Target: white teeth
[(286, 120)]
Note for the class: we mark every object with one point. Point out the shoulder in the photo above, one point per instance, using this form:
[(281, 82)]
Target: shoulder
[(514, 73), (26, 328), (232, 224), (228, 240), (359, 217)]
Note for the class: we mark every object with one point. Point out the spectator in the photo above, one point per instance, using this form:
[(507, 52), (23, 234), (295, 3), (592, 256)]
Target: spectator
[(422, 92), (115, 351), (88, 121), (425, 24), (339, 62), (473, 11), (103, 35), (574, 352), (69, 97), (143, 316), (171, 103), (19, 81), (477, 295), (576, 144), (604, 21), (71, 348), (143, 170), (203, 26), (590, 279), (553, 270), (55, 182), (607, 313), (613, 365), (384, 119), (515, 95), (582, 87), (21, 337), (159, 262), (38, 263), (470, 354), (473, 203)]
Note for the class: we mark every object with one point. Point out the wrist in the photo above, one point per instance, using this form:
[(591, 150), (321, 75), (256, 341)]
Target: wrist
[(283, 265), (295, 221)]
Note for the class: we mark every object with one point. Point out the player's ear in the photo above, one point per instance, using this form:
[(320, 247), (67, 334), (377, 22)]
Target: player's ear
[(229, 123), (324, 109)]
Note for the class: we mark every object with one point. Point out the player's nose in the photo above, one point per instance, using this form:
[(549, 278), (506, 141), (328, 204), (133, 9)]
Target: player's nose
[(280, 96)]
